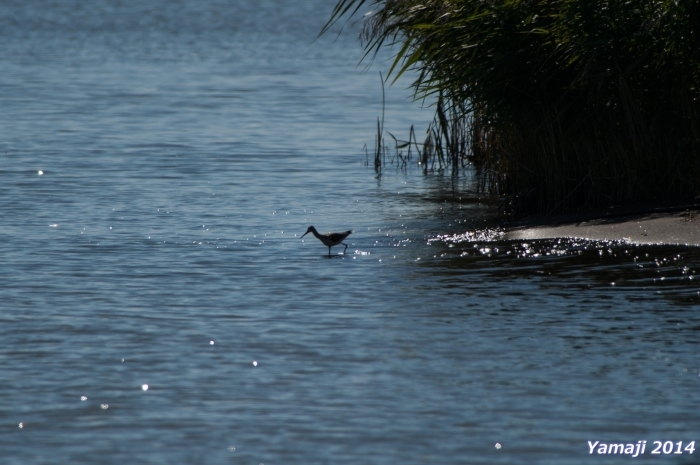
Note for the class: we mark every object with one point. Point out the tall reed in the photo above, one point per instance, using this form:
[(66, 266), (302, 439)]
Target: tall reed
[(561, 105)]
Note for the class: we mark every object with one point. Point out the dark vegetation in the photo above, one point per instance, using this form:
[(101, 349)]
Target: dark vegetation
[(559, 106)]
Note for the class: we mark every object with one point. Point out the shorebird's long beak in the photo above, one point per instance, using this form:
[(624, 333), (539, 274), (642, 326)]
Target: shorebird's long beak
[(307, 232)]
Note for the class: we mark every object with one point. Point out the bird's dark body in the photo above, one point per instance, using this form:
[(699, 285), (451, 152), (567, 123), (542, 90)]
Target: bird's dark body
[(339, 237), (330, 239)]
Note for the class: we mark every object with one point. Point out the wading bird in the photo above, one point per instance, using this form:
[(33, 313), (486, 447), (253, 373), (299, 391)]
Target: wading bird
[(330, 239)]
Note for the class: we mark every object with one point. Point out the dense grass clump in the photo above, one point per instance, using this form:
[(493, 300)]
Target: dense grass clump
[(562, 105)]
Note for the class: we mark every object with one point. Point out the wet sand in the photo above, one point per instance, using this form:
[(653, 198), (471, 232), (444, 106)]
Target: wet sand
[(642, 225)]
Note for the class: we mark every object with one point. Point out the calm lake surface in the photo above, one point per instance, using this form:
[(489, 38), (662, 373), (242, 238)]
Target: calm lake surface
[(159, 307)]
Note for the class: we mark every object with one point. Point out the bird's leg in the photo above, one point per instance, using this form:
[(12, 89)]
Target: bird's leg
[(346, 247), (329, 251)]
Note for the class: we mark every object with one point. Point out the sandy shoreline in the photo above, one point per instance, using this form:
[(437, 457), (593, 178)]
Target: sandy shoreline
[(643, 225)]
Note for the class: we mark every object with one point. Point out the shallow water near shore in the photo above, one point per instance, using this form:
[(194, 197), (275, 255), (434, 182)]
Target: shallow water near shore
[(158, 166)]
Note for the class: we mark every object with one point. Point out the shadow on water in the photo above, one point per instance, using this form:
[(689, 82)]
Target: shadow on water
[(587, 270), (473, 249)]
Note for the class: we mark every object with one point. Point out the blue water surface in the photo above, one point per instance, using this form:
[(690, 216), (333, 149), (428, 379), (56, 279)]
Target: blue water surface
[(159, 162)]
